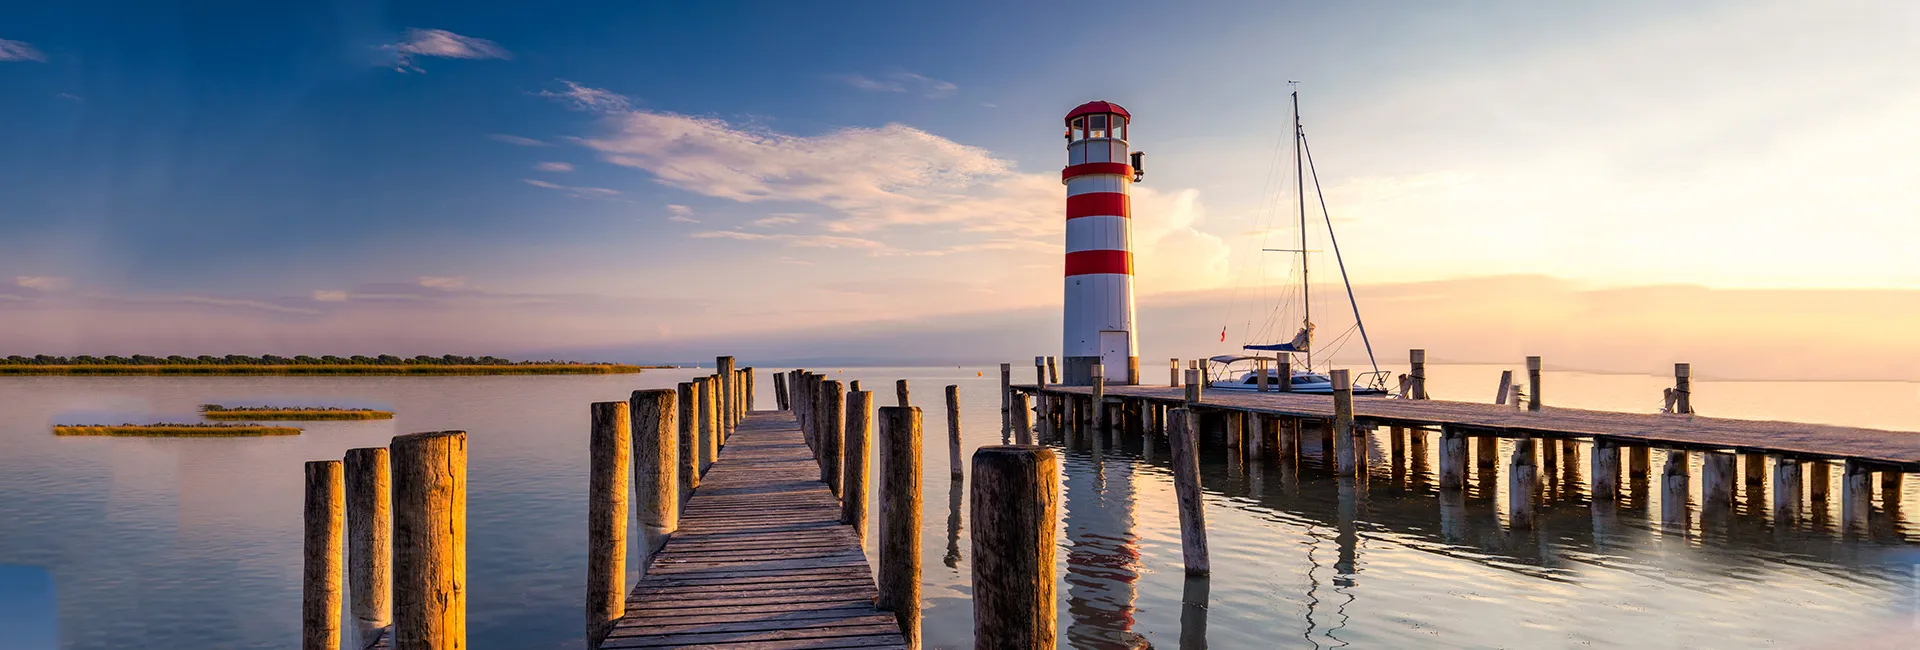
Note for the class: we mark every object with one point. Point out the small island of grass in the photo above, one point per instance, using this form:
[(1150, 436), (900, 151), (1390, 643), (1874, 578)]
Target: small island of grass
[(234, 364), (174, 430), (305, 413)]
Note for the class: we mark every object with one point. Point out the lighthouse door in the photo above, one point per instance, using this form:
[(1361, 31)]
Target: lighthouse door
[(1113, 354)]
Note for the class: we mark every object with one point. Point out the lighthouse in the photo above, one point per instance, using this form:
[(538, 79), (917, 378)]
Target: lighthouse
[(1098, 324)]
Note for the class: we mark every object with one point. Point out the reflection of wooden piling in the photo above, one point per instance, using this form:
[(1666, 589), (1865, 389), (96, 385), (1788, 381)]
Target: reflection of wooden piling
[(1453, 459), (1786, 489), (1675, 490), (1890, 492), (1606, 470), (656, 460), (610, 468), (430, 540), (369, 487), (899, 574), (1015, 504), (953, 431), (325, 517), (858, 439), (832, 433), (1183, 437), (1856, 497)]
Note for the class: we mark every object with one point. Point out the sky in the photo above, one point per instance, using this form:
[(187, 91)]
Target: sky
[(643, 180)]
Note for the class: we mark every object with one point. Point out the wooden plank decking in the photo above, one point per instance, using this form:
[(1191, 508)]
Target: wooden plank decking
[(1899, 449), (760, 561)]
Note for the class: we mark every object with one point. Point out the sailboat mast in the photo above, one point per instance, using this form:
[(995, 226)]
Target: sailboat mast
[(1300, 191)]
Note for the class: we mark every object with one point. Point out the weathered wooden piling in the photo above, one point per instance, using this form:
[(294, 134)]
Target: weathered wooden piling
[(716, 423), (1417, 358), (1053, 372), (1453, 459), (1283, 373), (746, 387), (1716, 481), (1486, 452), (1683, 388), (1260, 374), (1818, 479), (723, 404), (687, 452), (1533, 384), (1006, 397), (1506, 384), (953, 431), (1523, 482), (705, 422), (609, 470), (1015, 504), (1040, 373), (1173, 373), (1183, 431), (1606, 470), (430, 540), (656, 460), (900, 390), (780, 390), (1755, 468), (1259, 436), (1348, 458), (899, 574), (832, 433), (369, 540), (1786, 489), (1639, 461), (1890, 490), (1675, 490), (1856, 497), (325, 517), (1022, 417), (859, 440), (1099, 398), (1194, 394)]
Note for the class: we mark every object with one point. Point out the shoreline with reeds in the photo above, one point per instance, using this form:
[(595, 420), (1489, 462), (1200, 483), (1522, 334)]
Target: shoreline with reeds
[(174, 430), (347, 370), (295, 413)]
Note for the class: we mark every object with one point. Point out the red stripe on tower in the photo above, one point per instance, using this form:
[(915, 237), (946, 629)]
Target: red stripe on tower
[(1088, 169), (1092, 262), (1098, 204)]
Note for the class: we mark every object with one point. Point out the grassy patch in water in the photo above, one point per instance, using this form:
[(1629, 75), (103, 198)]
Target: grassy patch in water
[(173, 430), (218, 412)]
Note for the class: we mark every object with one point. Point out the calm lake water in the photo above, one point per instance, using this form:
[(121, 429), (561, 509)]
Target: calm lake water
[(177, 543)]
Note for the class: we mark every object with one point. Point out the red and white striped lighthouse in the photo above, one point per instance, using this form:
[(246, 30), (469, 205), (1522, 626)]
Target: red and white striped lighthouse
[(1099, 294)]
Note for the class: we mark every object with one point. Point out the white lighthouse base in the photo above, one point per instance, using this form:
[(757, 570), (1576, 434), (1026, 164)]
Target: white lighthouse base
[(1079, 372)]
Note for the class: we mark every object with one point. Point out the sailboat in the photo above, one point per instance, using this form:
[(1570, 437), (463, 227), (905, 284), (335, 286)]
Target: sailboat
[(1242, 372)]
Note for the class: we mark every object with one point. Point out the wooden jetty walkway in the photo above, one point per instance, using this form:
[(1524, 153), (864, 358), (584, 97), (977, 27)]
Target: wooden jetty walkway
[(1888, 449), (760, 560)]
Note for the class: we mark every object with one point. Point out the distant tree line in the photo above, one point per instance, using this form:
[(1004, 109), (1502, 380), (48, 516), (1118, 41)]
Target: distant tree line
[(272, 360)]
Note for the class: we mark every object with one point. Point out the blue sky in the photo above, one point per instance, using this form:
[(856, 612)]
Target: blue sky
[(361, 169)]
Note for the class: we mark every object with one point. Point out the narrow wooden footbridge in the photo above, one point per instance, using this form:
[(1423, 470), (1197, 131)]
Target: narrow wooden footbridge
[(760, 559)]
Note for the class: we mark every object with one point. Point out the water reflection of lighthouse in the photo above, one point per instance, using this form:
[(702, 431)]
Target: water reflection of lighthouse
[(1103, 554), (1098, 323)]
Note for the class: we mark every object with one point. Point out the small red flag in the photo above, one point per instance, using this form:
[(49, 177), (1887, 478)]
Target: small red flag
[(1223, 335)]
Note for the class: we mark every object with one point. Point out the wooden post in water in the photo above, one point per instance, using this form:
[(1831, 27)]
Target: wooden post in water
[(1856, 497), (1015, 504), (1347, 456), (1193, 387), (1639, 460), (1716, 481), (1022, 420), (953, 431), (1523, 481), (1818, 479), (900, 387), (325, 517), (746, 386), (859, 440), (1756, 468), (716, 428), (1890, 491), (1053, 372), (1173, 373), (1260, 374), (1099, 398), (1039, 374), (1486, 452), (430, 540), (369, 541), (1006, 397), (1786, 489), (1183, 437), (1606, 469), (1675, 490), (609, 469), (1284, 370), (1259, 433), (656, 460), (687, 452), (1287, 440), (780, 390), (723, 404), (1417, 358), (1506, 383), (1533, 384), (704, 419), (899, 574), (1453, 459), (832, 434), (1683, 388)]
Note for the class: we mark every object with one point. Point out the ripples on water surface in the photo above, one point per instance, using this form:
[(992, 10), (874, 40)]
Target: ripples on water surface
[(196, 543)]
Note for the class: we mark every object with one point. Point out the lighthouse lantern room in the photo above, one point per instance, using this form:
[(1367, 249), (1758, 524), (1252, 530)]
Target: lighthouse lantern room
[(1098, 323)]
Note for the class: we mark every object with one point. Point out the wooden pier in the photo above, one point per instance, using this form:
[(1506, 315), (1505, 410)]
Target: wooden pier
[(760, 559)]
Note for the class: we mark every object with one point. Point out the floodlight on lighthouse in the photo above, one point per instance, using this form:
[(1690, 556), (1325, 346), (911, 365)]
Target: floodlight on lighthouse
[(1098, 313)]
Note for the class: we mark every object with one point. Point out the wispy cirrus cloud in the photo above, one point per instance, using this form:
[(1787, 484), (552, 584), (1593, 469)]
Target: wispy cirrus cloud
[(20, 51), (681, 214), (554, 167), (515, 139), (586, 98), (574, 191), (42, 282), (800, 241), (899, 82), (440, 43)]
